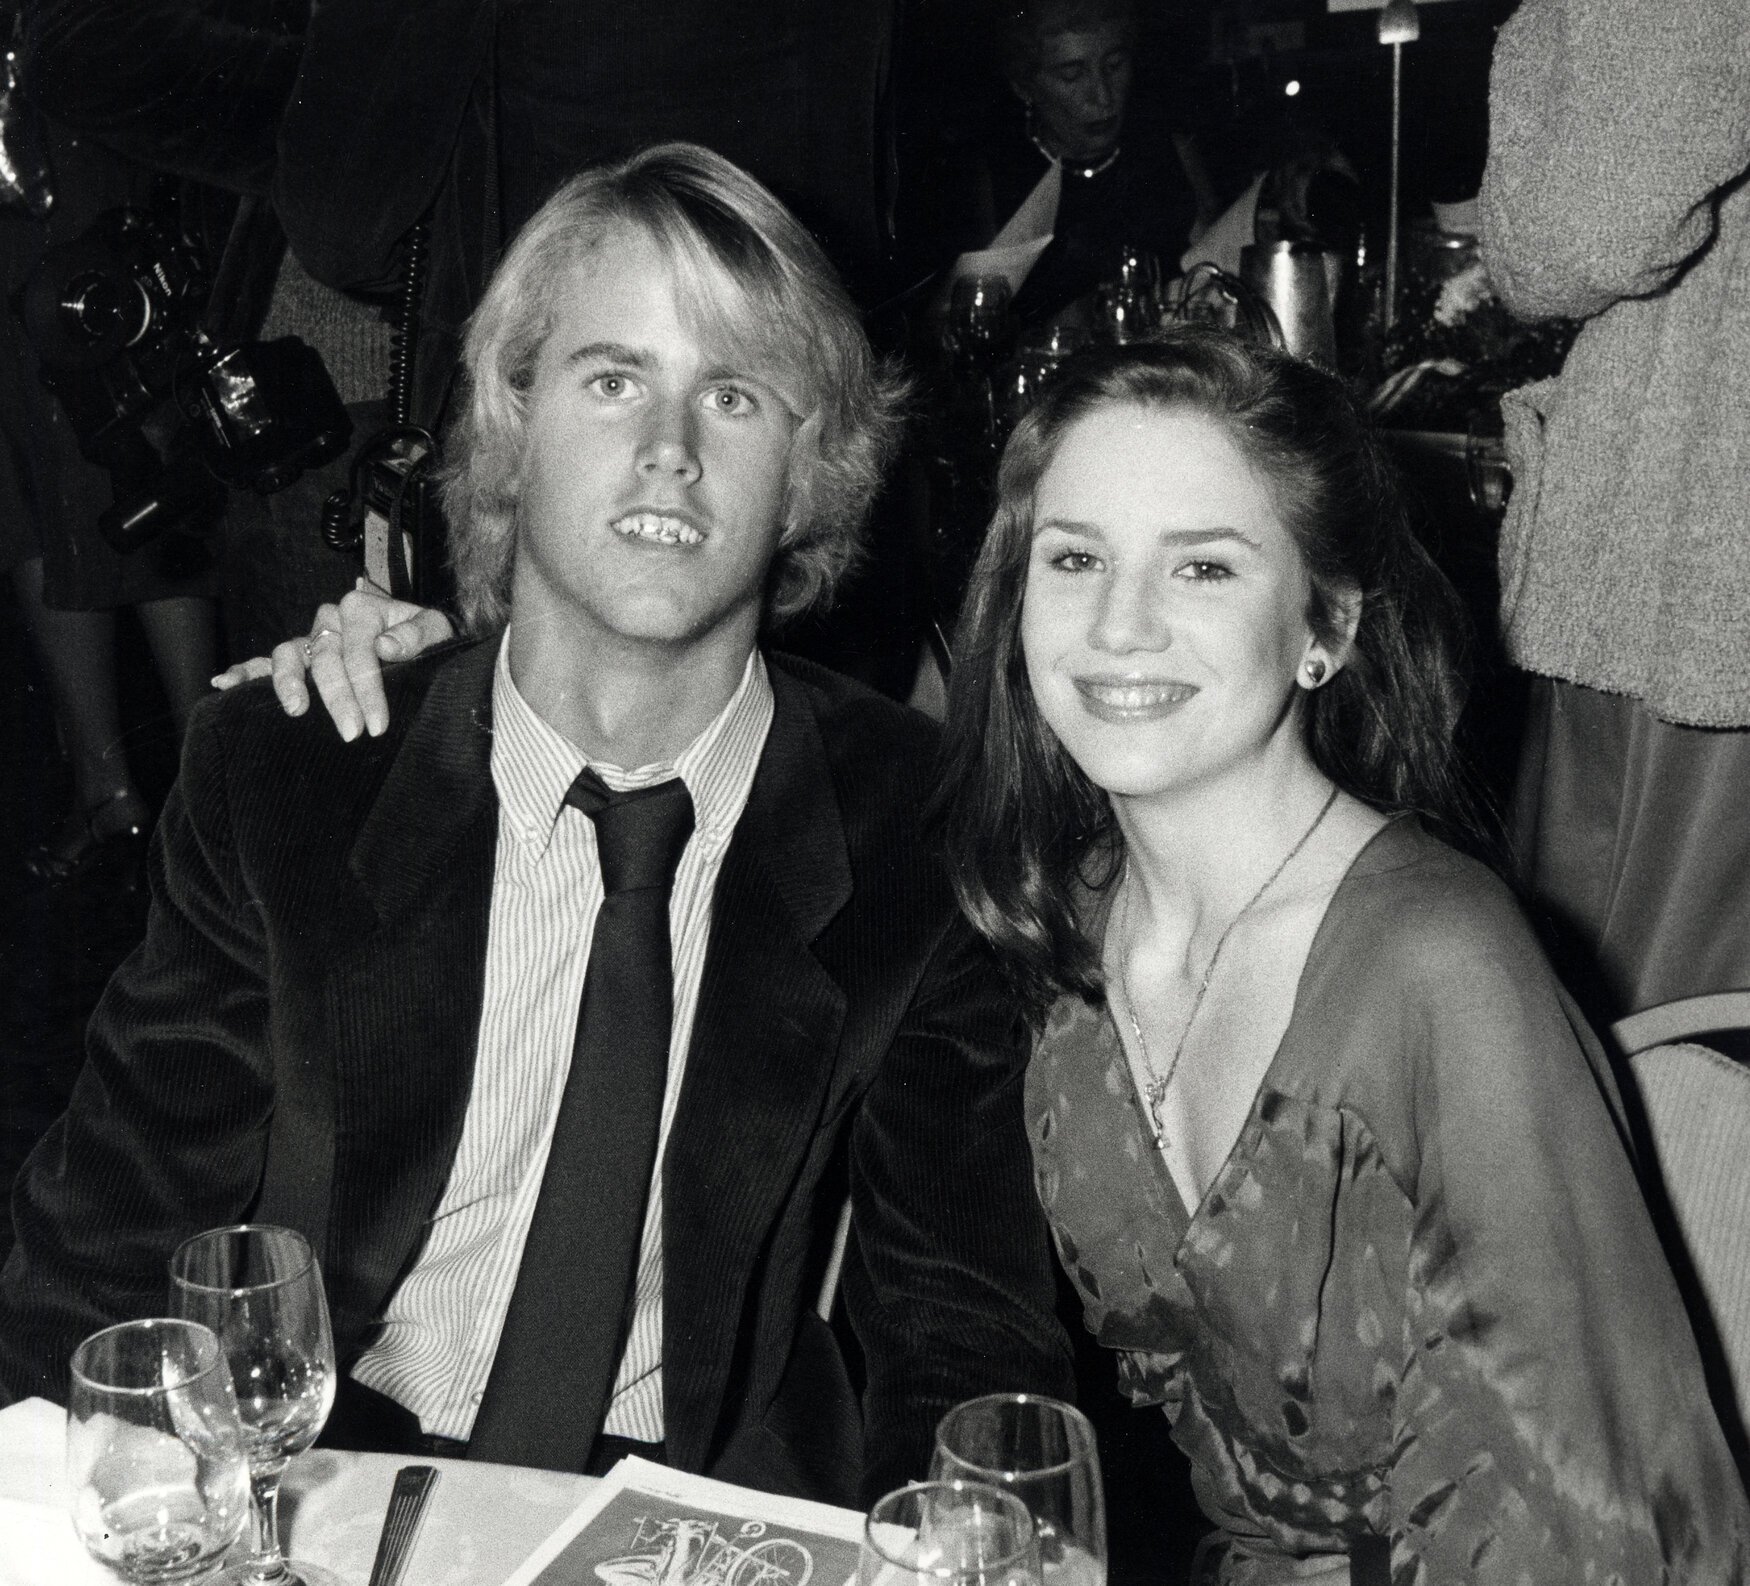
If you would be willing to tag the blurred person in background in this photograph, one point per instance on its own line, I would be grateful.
(1075, 149)
(168, 108)
(486, 110)
(1615, 193)
(200, 95)
(490, 107)
(69, 581)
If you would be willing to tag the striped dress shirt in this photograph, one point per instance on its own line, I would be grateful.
(441, 1326)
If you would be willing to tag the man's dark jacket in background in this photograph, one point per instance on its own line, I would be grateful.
(468, 113)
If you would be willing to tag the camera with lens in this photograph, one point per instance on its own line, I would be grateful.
(389, 514)
(116, 317)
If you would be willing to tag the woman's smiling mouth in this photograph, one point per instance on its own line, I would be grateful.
(1127, 699)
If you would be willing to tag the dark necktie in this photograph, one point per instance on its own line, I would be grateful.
(554, 1370)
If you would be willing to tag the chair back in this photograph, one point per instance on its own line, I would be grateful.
(1697, 1106)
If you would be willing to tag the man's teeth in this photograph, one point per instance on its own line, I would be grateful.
(654, 526)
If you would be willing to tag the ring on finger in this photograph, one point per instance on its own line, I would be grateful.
(310, 643)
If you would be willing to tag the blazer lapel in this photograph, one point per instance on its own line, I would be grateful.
(403, 996)
(765, 1038)
(438, 787)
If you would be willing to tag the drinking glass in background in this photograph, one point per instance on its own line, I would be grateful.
(981, 330)
(155, 1451)
(1125, 314)
(1034, 366)
(260, 1290)
(1043, 1452)
(948, 1533)
(1129, 302)
(1139, 267)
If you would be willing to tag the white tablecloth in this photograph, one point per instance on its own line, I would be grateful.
(483, 1520)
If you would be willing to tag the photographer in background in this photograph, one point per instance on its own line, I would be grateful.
(181, 90)
(69, 580)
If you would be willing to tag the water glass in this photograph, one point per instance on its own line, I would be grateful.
(155, 1451)
(260, 1290)
(948, 1533)
(1042, 1451)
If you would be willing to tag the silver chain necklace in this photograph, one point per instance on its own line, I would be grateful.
(1155, 1093)
(1086, 169)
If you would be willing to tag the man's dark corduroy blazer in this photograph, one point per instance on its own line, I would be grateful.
(317, 947)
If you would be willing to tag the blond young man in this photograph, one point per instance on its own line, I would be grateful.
(354, 1009)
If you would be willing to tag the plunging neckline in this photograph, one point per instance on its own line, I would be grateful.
(1139, 1099)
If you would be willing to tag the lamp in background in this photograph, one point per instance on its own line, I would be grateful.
(1398, 25)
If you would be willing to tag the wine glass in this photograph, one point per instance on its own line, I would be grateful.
(1126, 315)
(1139, 270)
(980, 326)
(1042, 1451)
(260, 1290)
(1034, 367)
(948, 1533)
(155, 1451)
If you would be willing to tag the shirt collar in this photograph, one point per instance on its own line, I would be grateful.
(533, 765)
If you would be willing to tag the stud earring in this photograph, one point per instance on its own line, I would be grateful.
(1315, 671)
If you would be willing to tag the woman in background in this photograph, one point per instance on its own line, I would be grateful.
(1328, 1155)
(1070, 153)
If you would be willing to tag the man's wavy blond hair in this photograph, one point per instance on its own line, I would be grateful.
(789, 319)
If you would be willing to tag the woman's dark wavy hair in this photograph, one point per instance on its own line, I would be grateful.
(1026, 832)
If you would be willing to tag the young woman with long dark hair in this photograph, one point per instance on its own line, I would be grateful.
(1330, 1157)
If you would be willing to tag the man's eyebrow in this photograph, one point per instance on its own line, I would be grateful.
(608, 352)
(1174, 537)
(733, 371)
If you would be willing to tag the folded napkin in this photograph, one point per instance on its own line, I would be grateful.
(1012, 261)
(1233, 230)
(38, 1545)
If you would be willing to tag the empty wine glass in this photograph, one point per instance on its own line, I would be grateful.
(1042, 1451)
(155, 1451)
(260, 1290)
(948, 1533)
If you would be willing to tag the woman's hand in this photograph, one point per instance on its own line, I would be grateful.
(344, 654)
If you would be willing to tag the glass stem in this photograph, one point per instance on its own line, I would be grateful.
(268, 1565)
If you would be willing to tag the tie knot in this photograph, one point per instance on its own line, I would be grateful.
(639, 834)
